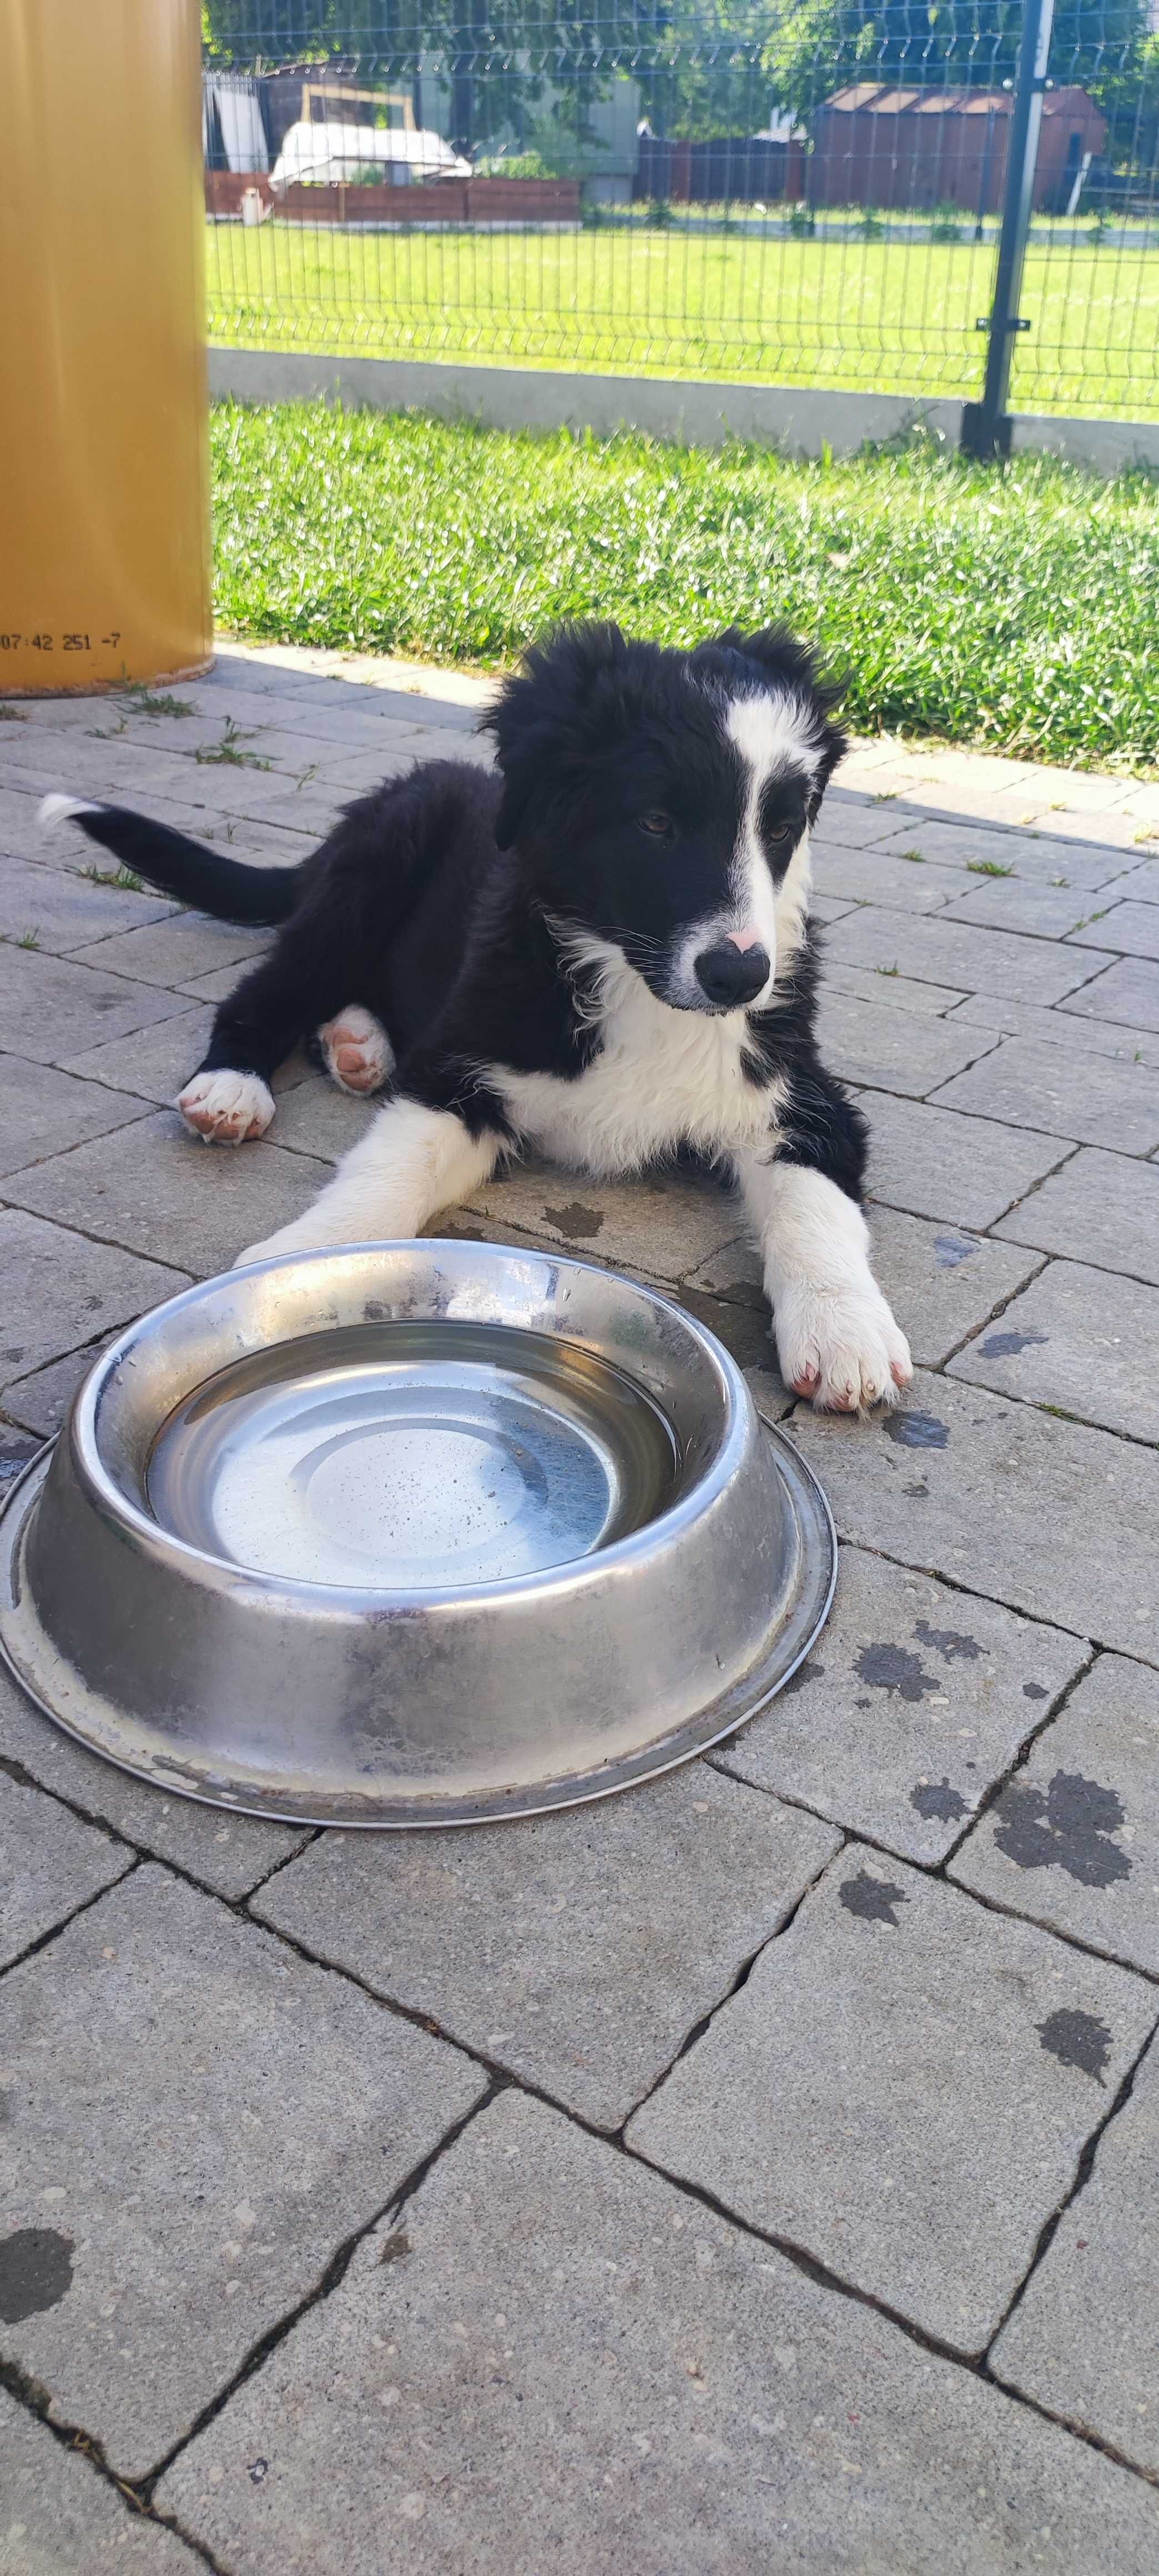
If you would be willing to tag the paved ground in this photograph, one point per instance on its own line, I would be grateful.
(758, 2172)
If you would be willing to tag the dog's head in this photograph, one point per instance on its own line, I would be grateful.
(658, 799)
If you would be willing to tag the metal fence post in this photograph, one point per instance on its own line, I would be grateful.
(986, 425)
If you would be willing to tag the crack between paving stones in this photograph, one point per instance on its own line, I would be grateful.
(1054, 1710)
(330, 2279)
(939, 1367)
(743, 1973)
(1049, 2229)
(1069, 1147)
(818, 2272)
(36, 2400)
(974, 1592)
(44, 1940)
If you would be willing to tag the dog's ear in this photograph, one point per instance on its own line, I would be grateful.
(548, 714)
(792, 665)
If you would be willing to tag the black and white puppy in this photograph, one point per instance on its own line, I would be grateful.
(602, 952)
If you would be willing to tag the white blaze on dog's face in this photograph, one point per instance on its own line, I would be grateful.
(768, 874)
(661, 801)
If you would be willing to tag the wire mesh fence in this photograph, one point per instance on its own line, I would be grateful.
(772, 191)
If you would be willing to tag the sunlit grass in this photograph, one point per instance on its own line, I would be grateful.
(1012, 607)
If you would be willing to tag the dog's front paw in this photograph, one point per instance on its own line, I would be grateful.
(357, 1050)
(226, 1108)
(843, 1351)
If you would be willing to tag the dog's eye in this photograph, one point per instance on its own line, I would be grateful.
(783, 832)
(658, 826)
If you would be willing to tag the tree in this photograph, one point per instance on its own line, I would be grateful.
(818, 46)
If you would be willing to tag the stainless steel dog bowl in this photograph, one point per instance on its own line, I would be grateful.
(411, 1534)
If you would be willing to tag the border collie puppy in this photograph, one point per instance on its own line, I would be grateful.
(602, 952)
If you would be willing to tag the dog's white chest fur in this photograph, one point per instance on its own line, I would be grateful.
(659, 1078)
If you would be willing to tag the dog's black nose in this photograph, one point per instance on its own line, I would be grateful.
(731, 976)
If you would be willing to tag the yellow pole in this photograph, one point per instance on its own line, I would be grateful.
(104, 495)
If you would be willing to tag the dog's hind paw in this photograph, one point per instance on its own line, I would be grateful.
(226, 1108)
(357, 1050)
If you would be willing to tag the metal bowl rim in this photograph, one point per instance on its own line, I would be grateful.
(738, 1412)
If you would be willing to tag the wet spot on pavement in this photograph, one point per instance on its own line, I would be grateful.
(1006, 1346)
(950, 1250)
(1066, 1826)
(1034, 1690)
(916, 1430)
(577, 1222)
(875, 1900)
(35, 2272)
(936, 1798)
(950, 1642)
(806, 1672)
(893, 1668)
(1077, 2039)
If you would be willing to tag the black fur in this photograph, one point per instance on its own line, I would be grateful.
(437, 902)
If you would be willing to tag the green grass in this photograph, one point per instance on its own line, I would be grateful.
(892, 317)
(1011, 607)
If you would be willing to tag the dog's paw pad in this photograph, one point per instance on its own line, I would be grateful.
(844, 1353)
(358, 1052)
(226, 1108)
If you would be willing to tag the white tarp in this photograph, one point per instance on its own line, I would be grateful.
(239, 115)
(326, 153)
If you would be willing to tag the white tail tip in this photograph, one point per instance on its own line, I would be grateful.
(61, 809)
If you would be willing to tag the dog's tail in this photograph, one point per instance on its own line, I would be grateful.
(176, 865)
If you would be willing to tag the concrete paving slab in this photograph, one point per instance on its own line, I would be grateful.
(51, 1008)
(1084, 1340)
(177, 952)
(938, 1162)
(56, 910)
(913, 1703)
(941, 1282)
(42, 1110)
(938, 951)
(228, 1854)
(1084, 2338)
(1073, 1840)
(155, 1185)
(899, 992)
(824, 2103)
(855, 822)
(1089, 1097)
(60, 2517)
(1043, 909)
(1052, 1518)
(50, 1863)
(667, 1224)
(1130, 928)
(1034, 856)
(1062, 1028)
(565, 2363)
(57, 1289)
(1128, 991)
(196, 2156)
(158, 1062)
(883, 874)
(577, 1950)
(1104, 1205)
(41, 1401)
(895, 1050)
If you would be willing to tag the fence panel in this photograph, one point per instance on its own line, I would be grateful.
(805, 193)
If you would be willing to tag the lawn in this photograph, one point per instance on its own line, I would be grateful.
(1012, 607)
(892, 317)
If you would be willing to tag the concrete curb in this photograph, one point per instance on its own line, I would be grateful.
(801, 419)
